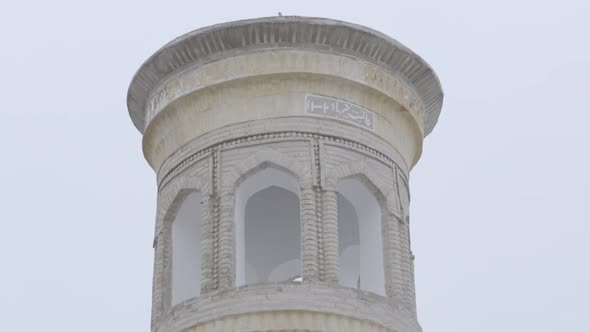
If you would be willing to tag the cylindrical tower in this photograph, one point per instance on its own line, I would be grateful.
(282, 148)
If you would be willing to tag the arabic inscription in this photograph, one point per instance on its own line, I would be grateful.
(339, 109)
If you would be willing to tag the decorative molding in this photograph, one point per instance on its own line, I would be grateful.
(216, 213)
(225, 40)
(287, 321)
(361, 169)
(178, 190)
(185, 163)
(257, 160)
(326, 298)
(260, 138)
(318, 200)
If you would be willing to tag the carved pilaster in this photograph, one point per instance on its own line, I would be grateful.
(157, 284)
(405, 267)
(225, 261)
(162, 266)
(330, 234)
(391, 250)
(207, 244)
(309, 239)
(214, 168)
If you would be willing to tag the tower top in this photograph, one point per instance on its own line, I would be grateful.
(282, 148)
(213, 43)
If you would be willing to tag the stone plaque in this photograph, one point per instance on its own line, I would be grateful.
(339, 109)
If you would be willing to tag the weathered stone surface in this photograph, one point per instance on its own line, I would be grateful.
(274, 33)
(320, 99)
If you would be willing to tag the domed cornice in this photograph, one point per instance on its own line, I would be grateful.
(226, 40)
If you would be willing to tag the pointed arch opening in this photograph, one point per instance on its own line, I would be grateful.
(186, 249)
(360, 242)
(268, 230)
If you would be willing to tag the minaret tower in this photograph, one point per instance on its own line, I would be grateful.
(282, 148)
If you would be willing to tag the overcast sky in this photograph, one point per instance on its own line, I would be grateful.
(500, 219)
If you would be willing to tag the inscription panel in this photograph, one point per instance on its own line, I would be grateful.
(339, 109)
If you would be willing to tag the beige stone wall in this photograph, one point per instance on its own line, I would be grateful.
(319, 161)
(324, 100)
(288, 321)
(269, 85)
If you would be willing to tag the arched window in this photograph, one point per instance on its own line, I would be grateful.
(359, 237)
(268, 231)
(348, 244)
(186, 250)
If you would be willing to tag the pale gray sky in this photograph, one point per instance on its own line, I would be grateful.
(499, 200)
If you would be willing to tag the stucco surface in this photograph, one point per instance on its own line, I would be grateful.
(320, 100)
(318, 35)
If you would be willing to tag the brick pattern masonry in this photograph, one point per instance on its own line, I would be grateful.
(216, 170)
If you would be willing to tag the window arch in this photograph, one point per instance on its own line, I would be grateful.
(360, 242)
(186, 249)
(268, 230)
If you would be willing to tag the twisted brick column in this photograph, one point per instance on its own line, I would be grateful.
(406, 267)
(207, 244)
(225, 257)
(309, 239)
(156, 284)
(391, 248)
(161, 282)
(330, 234)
